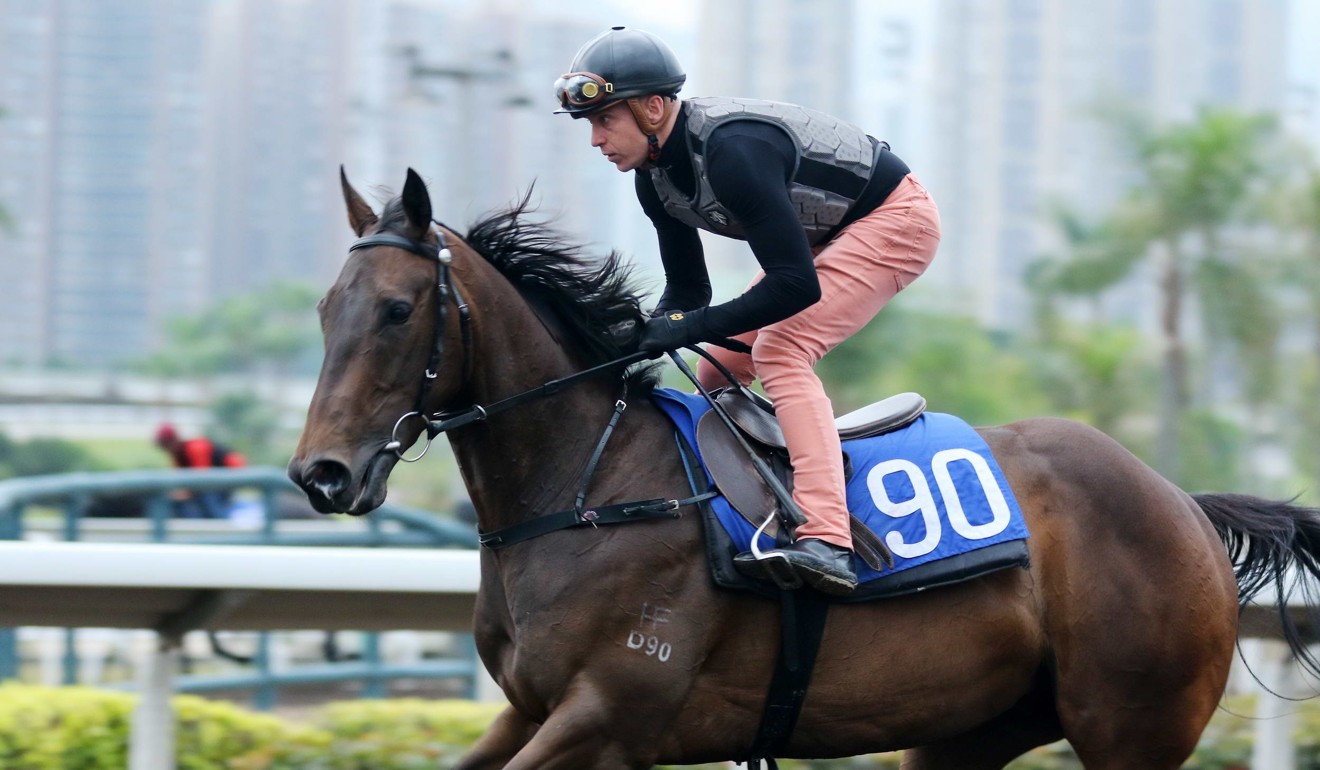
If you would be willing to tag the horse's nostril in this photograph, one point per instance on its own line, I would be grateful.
(326, 477)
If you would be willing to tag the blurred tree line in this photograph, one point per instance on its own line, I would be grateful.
(39, 456)
(271, 335)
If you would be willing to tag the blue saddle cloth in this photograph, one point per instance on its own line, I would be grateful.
(932, 491)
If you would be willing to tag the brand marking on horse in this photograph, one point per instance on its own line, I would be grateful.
(655, 615)
(652, 618)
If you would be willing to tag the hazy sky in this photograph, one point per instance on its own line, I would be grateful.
(1304, 42)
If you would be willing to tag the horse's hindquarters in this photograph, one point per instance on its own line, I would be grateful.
(1137, 597)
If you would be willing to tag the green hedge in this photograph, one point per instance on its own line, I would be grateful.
(76, 728)
(63, 729)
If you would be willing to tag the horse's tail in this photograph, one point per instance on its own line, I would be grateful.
(1272, 543)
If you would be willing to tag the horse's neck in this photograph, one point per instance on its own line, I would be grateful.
(528, 460)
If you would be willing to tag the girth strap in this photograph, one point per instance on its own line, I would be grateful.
(802, 626)
(617, 513)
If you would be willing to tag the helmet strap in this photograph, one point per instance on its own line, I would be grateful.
(651, 129)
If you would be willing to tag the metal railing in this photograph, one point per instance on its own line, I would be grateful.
(149, 496)
(156, 506)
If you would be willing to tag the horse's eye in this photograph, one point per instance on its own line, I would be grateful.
(397, 312)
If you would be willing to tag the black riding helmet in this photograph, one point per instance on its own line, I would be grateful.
(619, 63)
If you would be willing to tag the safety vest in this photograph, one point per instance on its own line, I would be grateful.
(835, 162)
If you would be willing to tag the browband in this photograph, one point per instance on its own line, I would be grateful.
(400, 242)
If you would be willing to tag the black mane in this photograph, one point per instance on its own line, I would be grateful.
(585, 296)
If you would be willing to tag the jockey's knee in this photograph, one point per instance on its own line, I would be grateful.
(777, 352)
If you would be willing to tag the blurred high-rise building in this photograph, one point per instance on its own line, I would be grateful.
(796, 51)
(277, 86)
(996, 105)
(27, 96)
(1019, 84)
(158, 156)
(99, 175)
(1304, 71)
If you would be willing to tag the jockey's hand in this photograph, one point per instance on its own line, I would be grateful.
(672, 330)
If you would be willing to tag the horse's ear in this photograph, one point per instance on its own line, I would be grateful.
(360, 215)
(416, 205)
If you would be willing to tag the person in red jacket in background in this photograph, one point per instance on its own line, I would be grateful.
(200, 452)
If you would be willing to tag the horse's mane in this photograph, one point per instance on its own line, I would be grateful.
(585, 296)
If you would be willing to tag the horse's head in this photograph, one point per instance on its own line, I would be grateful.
(407, 338)
(390, 350)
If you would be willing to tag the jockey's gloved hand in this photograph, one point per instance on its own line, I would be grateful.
(672, 330)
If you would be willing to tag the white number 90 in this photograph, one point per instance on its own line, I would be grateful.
(922, 500)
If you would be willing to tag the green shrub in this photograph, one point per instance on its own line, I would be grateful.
(404, 734)
(72, 728)
(212, 735)
(77, 728)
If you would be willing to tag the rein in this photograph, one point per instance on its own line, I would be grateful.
(440, 422)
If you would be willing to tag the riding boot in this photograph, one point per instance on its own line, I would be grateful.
(826, 567)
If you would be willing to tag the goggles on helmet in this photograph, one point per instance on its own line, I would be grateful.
(582, 89)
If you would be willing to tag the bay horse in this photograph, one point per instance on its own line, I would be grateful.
(1118, 637)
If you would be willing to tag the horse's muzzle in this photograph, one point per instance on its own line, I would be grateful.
(325, 482)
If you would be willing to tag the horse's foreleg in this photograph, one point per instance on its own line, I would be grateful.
(507, 735)
(578, 736)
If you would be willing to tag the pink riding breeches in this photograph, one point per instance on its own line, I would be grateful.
(860, 270)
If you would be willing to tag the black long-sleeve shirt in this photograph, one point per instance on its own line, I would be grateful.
(749, 165)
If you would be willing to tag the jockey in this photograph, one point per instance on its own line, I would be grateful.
(836, 221)
(200, 452)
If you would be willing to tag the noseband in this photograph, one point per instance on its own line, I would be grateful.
(444, 288)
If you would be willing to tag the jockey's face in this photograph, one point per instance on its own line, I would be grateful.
(615, 131)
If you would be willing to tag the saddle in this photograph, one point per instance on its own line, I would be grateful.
(734, 473)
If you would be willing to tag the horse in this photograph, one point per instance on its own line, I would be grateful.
(1118, 637)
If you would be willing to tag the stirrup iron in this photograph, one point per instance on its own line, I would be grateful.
(776, 564)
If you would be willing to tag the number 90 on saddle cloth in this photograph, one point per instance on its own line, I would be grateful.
(924, 482)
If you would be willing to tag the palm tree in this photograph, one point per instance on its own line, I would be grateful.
(1092, 367)
(1298, 212)
(1194, 183)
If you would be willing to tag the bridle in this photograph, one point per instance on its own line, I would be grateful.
(580, 514)
(440, 254)
(440, 422)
